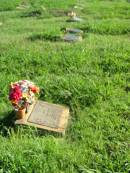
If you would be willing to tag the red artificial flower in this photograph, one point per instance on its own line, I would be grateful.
(34, 89)
(15, 94)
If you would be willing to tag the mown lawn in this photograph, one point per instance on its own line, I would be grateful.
(92, 77)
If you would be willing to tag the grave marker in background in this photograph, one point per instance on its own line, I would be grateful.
(72, 37)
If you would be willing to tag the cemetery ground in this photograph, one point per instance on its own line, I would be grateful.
(91, 77)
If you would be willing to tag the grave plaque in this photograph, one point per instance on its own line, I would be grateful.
(46, 116)
(72, 37)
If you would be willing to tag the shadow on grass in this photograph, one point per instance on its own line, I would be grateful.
(106, 31)
(127, 88)
(45, 37)
(6, 123)
(34, 13)
(40, 12)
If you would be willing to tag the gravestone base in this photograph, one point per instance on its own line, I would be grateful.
(46, 116)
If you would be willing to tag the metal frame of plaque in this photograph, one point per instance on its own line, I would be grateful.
(46, 116)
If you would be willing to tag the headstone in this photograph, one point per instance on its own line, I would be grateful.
(73, 30)
(46, 116)
(72, 37)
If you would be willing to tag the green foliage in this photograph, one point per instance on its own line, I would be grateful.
(113, 27)
(8, 5)
(91, 77)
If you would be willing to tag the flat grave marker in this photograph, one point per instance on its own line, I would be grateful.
(46, 116)
(72, 37)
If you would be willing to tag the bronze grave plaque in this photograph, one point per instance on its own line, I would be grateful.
(47, 116)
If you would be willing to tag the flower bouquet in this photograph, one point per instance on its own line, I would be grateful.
(22, 94)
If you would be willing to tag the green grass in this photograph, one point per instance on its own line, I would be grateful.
(92, 77)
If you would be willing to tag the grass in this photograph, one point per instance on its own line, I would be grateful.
(91, 77)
